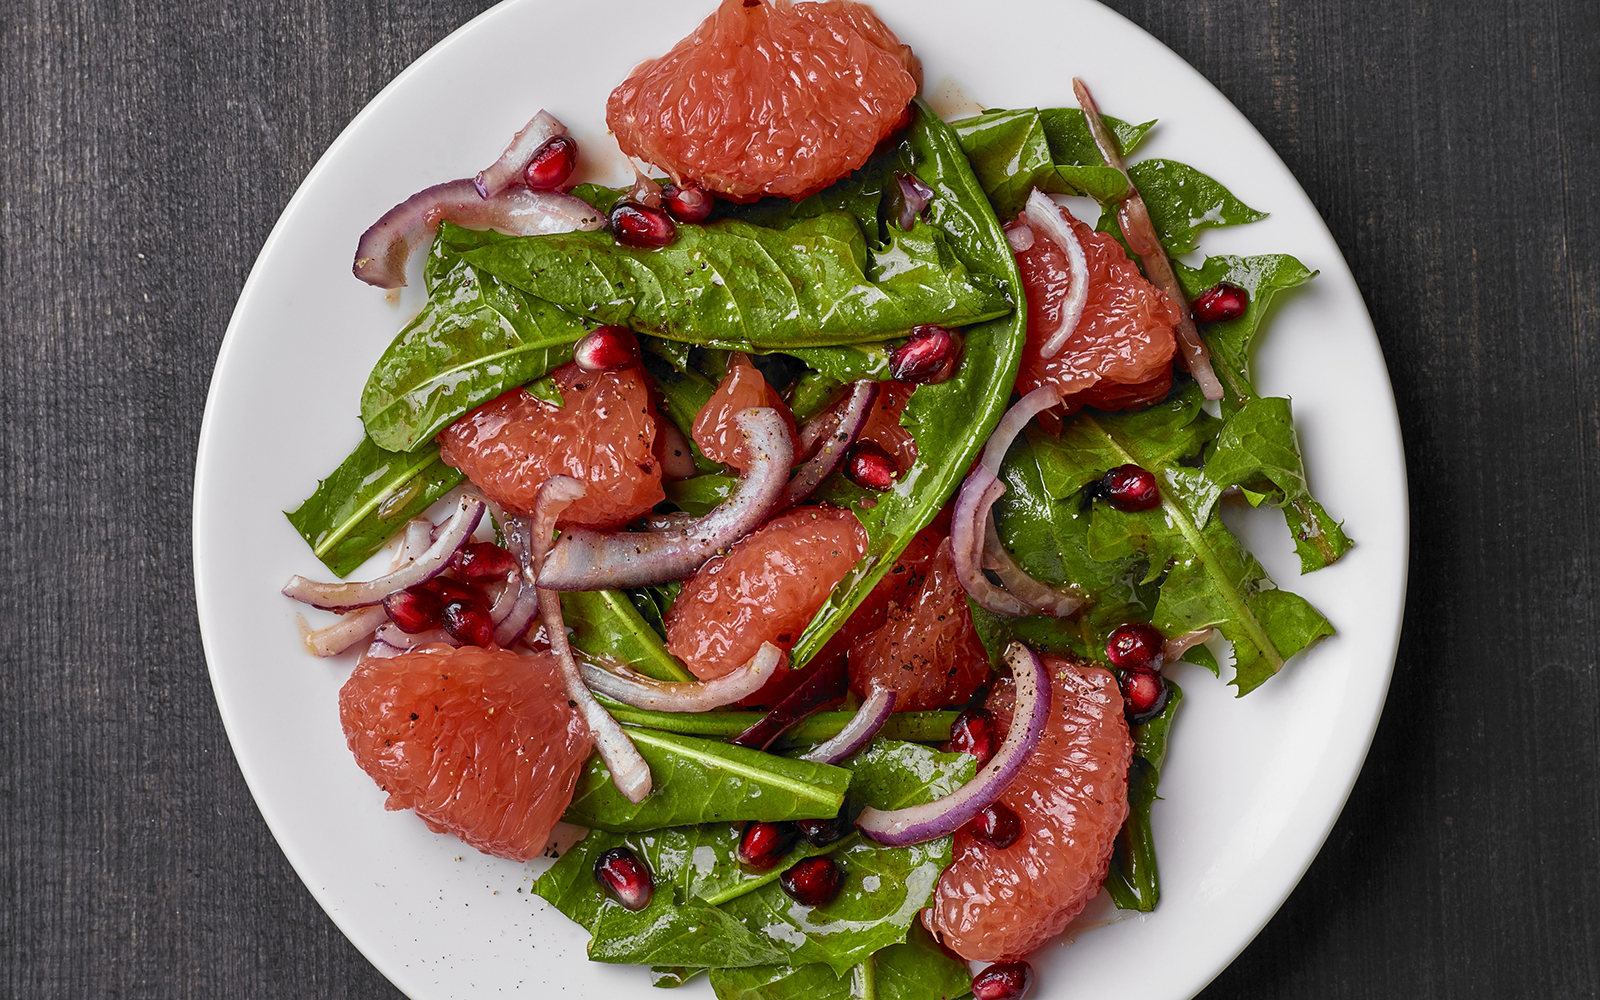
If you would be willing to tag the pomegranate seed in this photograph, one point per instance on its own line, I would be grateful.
(688, 203)
(1135, 646)
(765, 844)
(607, 349)
(481, 562)
(997, 826)
(1003, 981)
(641, 226)
(1130, 488)
(973, 732)
(871, 467)
(814, 881)
(468, 622)
(822, 832)
(449, 589)
(620, 872)
(413, 610)
(552, 163)
(1144, 696)
(930, 356)
(1220, 303)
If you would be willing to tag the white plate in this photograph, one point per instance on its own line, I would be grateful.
(1253, 786)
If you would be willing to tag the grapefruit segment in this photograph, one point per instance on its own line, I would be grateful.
(768, 97)
(482, 743)
(603, 434)
(1120, 354)
(766, 589)
(742, 387)
(998, 904)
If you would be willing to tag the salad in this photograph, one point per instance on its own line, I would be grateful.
(814, 521)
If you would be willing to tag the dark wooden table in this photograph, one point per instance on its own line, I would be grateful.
(145, 150)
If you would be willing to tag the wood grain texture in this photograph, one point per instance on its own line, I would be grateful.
(147, 148)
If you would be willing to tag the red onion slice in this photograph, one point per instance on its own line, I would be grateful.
(1142, 240)
(346, 632)
(858, 732)
(919, 824)
(516, 211)
(846, 428)
(914, 197)
(414, 542)
(1058, 602)
(392, 635)
(629, 772)
(380, 650)
(1014, 420)
(826, 682)
(507, 170)
(977, 495)
(453, 534)
(633, 688)
(1044, 218)
(592, 560)
(513, 624)
(1175, 647)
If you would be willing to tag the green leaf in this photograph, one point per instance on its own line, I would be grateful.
(694, 868)
(916, 727)
(1013, 152)
(475, 338)
(606, 624)
(700, 495)
(703, 781)
(979, 391)
(653, 603)
(1206, 576)
(734, 285)
(367, 499)
(1263, 277)
(1134, 881)
(1182, 201)
(669, 977)
(917, 969)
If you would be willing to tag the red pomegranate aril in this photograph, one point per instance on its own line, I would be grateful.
(1135, 646)
(468, 622)
(1222, 302)
(620, 872)
(765, 844)
(1144, 695)
(997, 826)
(484, 562)
(929, 357)
(814, 881)
(1003, 981)
(973, 732)
(414, 609)
(552, 163)
(1130, 488)
(449, 589)
(686, 203)
(606, 349)
(822, 832)
(870, 467)
(641, 226)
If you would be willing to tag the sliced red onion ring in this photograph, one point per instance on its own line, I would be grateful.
(346, 632)
(507, 170)
(629, 772)
(1044, 218)
(858, 732)
(941, 817)
(453, 534)
(380, 650)
(846, 428)
(826, 682)
(977, 495)
(1058, 602)
(1014, 420)
(914, 197)
(1141, 235)
(1174, 648)
(394, 636)
(511, 626)
(415, 541)
(592, 560)
(633, 688)
(516, 211)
